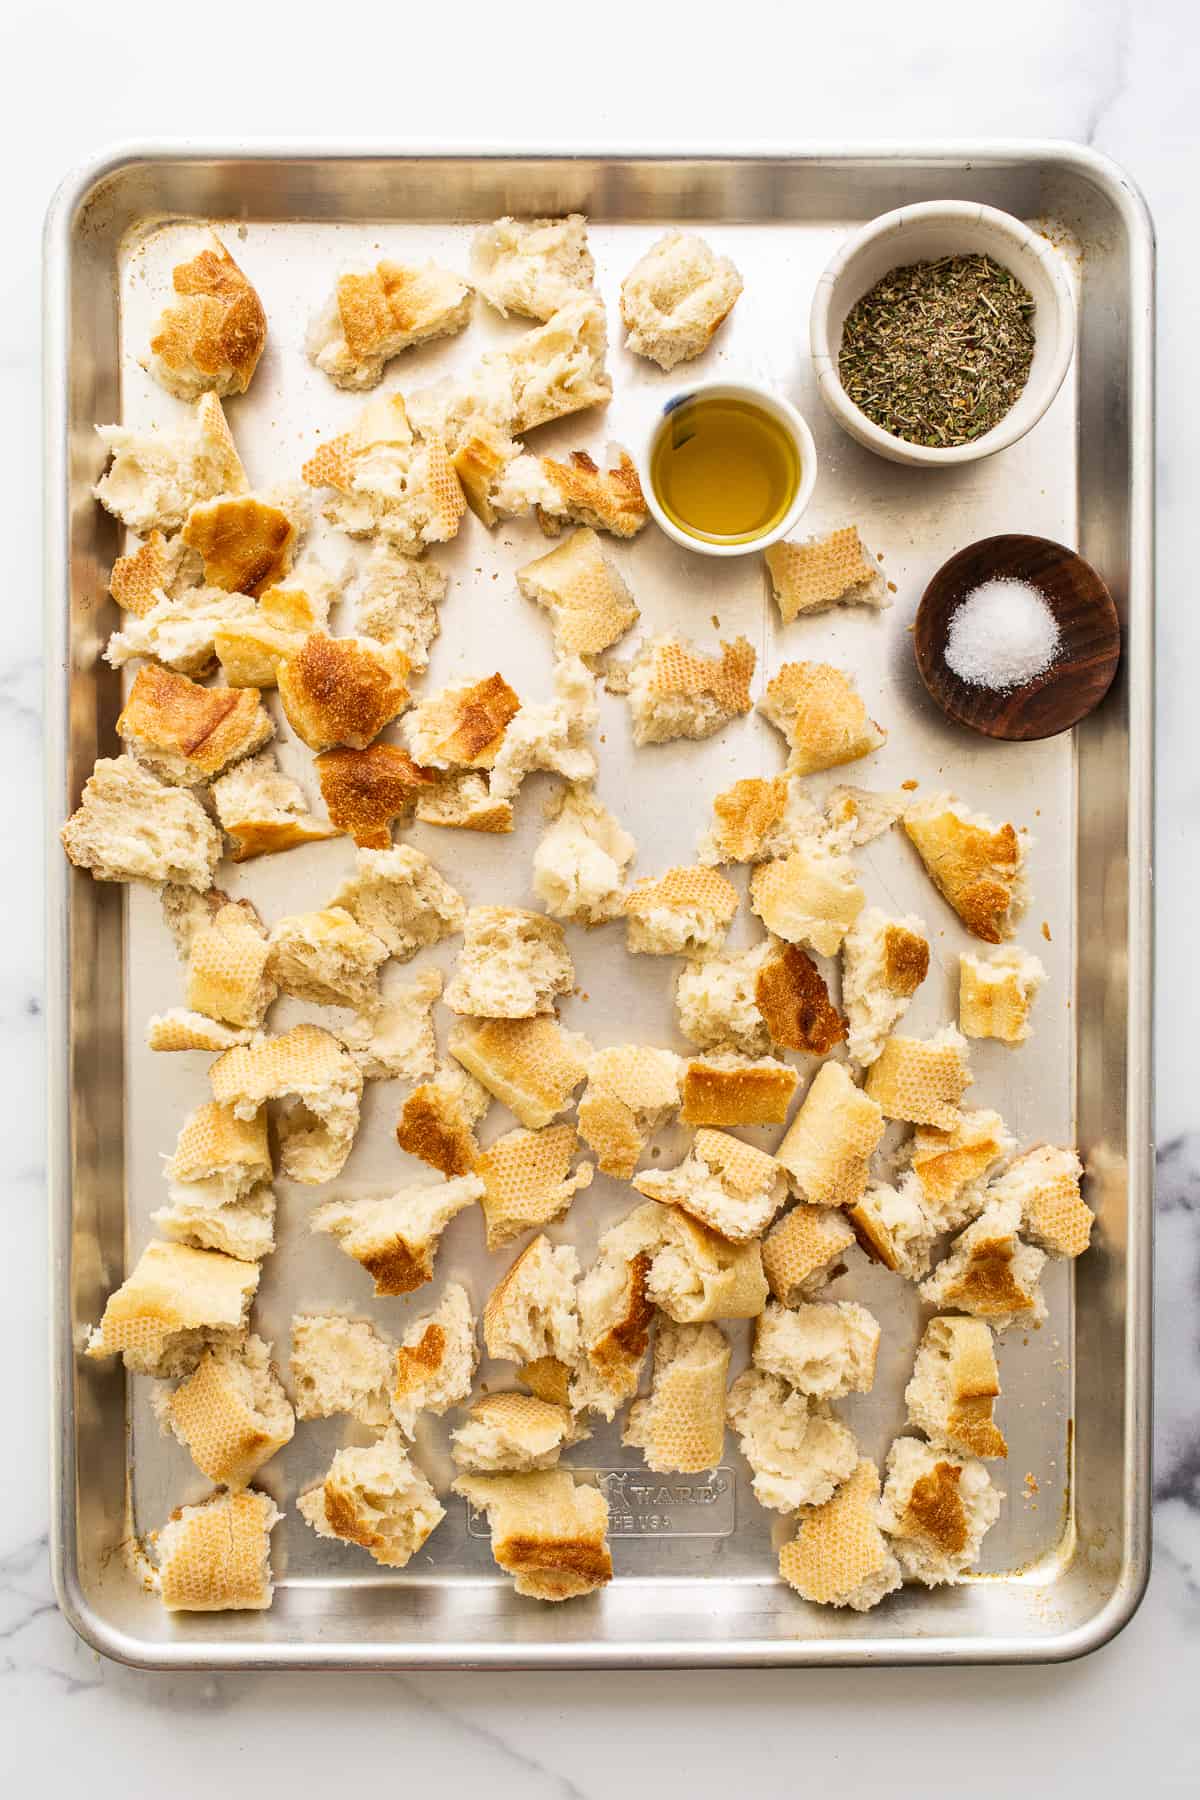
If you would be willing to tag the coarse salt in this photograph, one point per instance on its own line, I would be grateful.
(1001, 635)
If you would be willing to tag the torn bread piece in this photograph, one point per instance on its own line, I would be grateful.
(395, 1237)
(1054, 1214)
(798, 1453)
(894, 1229)
(532, 1311)
(884, 962)
(185, 912)
(803, 1252)
(685, 912)
(954, 1387)
(632, 1091)
(680, 1424)
(996, 993)
(527, 1180)
(264, 811)
(179, 1029)
(991, 1272)
(724, 1088)
(181, 634)
(675, 297)
(922, 1080)
(397, 602)
(129, 826)
(821, 714)
(550, 735)
(231, 1414)
(397, 1038)
(675, 691)
(401, 899)
(532, 1065)
(436, 1360)
(581, 493)
(839, 1556)
(342, 691)
(822, 1348)
(716, 1001)
(464, 803)
(216, 1557)
(857, 815)
(229, 974)
(615, 1316)
(589, 604)
(208, 1216)
(757, 819)
(533, 266)
(828, 1147)
(340, 1365)
(209, 339)
(791, 996)
(952, 1166)
(316, 1134)
(937, 1509)
(251, 648)
(978, 867)
(327, 958)
(375, 313)
(438, 1119)
(811, 896)
(174, 1305)
(728, 1185)
(386, 478)
(462, 726)
(816, 573)
(156, 477)
(161, 568)
(187, 734)
(580, 862)
(695, 1274)
(548, 1532)
(247, 542)
(511, 965)
(377, 1498)
(366, 790)
(216, 1144)
(511, 1433)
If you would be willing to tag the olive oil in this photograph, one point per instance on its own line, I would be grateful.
(724, 469)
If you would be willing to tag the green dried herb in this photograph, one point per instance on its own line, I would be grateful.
(937, 352)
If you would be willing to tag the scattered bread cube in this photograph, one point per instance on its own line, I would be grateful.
(811, 896)
(716, 1001)
(531, 1312)
(548, 1532)
(821, 714)
(462, 726)
(527, 1180)
(791, 996)
(247, 542)
(343, 690)
(819, 572)
(991, 1272)
(436, 1360)
(580, 862)
(798, 1453)
(695, 1274)
(822, 1348)
(978, 867)
(377, 1498)
(550, 735)
(375, 313)
(401, 899)
(828, 1146)
(803, 1252)
(263, 810)
(615, 1316)
(316, 1134)
(161, 568)
(327, 958)
(182, 634)
(757, 819)
(533, 266)
(839, 1556)
(857, 815)
(386, 478)
(216, 1557)
(231, 1414)
(251, 647)
(174, 1305)
(893, 1227)
(675, 691)
(507, 1434)
(578, 491)
(1054, 1214)
(511, 965)
(395, 1237)
(156, 477)
(210, 338)
(438, 1119)
(589, 604)
(954, 1386)
(340, 1365)
(219, 1195)
(130, 826)
(884, 962)
(729, 1186)
(680, 1424)
(996, 993)
(723, 1088)
(922, 1080)
(531, 1065)
(685, 912)
(187, 734)
(178, 1029)
(396, 1038)
(365, 790)
(675, 297)
(632, 1091)
(397, 602)
(936, 1509)
(952, 1166)
(464, 802)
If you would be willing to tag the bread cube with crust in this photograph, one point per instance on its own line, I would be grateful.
(210, 338)
(798, 1453)
(991, 1272)
(839, 1555)
(884, 962)
(977, 866)
(631, 1093)
(377, 1498)
(675, 297)
(921, 1080)
(685, 912)
(129, 826)
(680, 1424)
(828, 1146)
(375, 313)
(156, 477)
(532, 266)
(936, 1508)
(387, 478)
(676, 691)
(174, 1305)
(954, 1387)
(436, 1360)
(531, 1065)
(231, 1414)
(996, 993)
(810, 575)
(548, 1532)
(821, 714)
(511, 1433)
(216, 1557)
(589, 605)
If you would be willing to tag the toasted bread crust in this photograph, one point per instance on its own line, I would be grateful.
(337, 691)
(216, 336)
(198, 730)
(792, 997)
(246, 544)
(365, 790)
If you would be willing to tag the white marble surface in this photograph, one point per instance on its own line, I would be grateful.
(1122, 77)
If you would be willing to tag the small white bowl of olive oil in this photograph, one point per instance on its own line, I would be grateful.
(728, 468)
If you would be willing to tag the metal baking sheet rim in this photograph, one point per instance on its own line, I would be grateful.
(100, 1633)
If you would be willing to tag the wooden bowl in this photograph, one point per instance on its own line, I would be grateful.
(1089, 647)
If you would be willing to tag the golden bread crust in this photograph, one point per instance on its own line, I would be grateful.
(746, 1094)
(365, 790)
(793, 999)
(214, 337)
(342, 691)
(190, 732)
(976, 866)
(821, 714)
(246, 544)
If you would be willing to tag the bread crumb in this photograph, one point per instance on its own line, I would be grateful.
(1046, 930)
(910, 786)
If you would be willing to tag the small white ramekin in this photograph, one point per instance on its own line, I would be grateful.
(779, 409)
(921, 234)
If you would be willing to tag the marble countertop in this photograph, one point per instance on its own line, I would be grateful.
(1117, 76)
